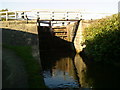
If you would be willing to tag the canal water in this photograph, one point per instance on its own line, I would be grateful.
(69, 70)
(59, 70)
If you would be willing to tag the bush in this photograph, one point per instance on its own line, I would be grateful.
(103, 40)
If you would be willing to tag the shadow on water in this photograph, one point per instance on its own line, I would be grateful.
(57, 61)
(62, 67)
(99, 75)
(52, 43)
(65, 69)
(68, 70)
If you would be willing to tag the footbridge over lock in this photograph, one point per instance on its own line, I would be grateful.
(71, 32)
(64, 24)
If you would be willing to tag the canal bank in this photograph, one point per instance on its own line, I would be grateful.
(21, 70)
(100, 75)
(21, 47)
(101, 54)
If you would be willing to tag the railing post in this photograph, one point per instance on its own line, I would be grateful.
(6, 15)
(24, 15)
(80, 16)
(64, 16)
(52, 15)
(50, 26)
(38, 22)
(77, 17)
(15, 15)
(67, 15)
(38, 14)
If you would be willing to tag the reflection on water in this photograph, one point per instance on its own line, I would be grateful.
(81, 70)
(60, 73)
(63, 70)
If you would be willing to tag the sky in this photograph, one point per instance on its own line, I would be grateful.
(103, 6)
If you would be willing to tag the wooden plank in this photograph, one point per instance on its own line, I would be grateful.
(60, 31)
(61, 35)
(58, 20)
(6, 16)
(44, 22)
(59, 28)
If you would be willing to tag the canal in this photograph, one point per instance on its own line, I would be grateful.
(69, 70)
(63, 68)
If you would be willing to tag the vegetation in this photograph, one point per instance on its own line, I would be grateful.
(103, 40)
(35, 80)
(3, 10)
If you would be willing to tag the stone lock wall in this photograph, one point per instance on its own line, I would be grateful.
(30, 26)
(75, 35)
(21, 33)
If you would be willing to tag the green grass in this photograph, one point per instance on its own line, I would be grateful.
(35, 80)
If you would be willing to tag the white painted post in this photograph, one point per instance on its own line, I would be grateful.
(38, 22)
(52, 15)
(24, 16)
(80, 16)
(6, 15)
(67, 15)
(15, 15)
(64, 16)
(50, 26)
(38, 15)
(77, 17)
